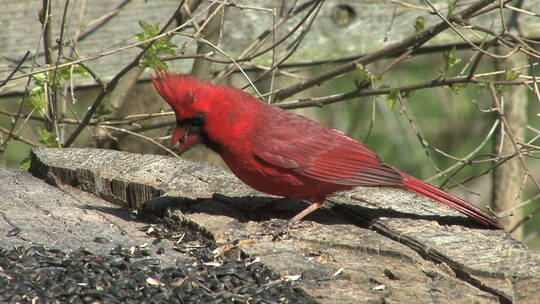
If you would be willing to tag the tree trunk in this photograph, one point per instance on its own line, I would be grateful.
(508, 178)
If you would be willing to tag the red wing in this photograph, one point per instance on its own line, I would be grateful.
(325, 154)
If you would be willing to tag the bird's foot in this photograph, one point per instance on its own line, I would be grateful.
(279, 228)
(282, 231)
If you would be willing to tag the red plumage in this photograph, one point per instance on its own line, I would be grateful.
(282, 153)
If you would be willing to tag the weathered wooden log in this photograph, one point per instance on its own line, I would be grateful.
(368, 245)
(34, 213)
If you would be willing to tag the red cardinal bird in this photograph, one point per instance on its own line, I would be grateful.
(282, 153)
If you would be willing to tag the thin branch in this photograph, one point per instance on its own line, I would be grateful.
(294, 45)
(423, 142)
(525, 219)
(510, 211)
(17, 137)
(466, 160)
(474, 46)
(144, 137)
(408, 5)
(500, 112)
(320, 101)
(114, 51)
(500, 160)
(521, 11)
(111, 84)
(253, 48)
(535, 84)
(414, 40)
(243, 7)
(227, 55)
(12, 131)
(15, 69)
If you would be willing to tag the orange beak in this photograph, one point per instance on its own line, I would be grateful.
(183, 139)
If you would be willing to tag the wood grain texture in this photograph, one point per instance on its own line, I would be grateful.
(67, 218)
(368, 246)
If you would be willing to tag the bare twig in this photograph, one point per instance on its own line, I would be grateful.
(243, 7)
(474, 46)
(465, 160)
(15, 69)
(509, 131)
(320, 101)
(17, 137)
(414, 40)
(408, 5)
(525, 219)
(111, 84)
(144, 137)
(521, 11)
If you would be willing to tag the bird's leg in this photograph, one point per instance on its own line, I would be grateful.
(314, 206)
(285, 229)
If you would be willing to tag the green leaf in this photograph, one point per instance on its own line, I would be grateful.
(47, 139)
(37, 101)
(502, 88)
(161, 46)
(149, 29)
(363, 76)
(36, 94)
(140, 36)
(510, 74)
(456, 88)
(392, 98)
(25, 164)
(451, 9)
(483, 84)
(408, 94)
(450, 59)
(102, 110)
(39, 78)
(79, 70)
(419, 24)
(66, 73)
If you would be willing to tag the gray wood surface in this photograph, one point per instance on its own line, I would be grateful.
(371, 245)
(67, 218)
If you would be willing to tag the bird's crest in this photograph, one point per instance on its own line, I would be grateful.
(178, 90)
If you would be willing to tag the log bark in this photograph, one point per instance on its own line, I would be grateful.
(368, 246)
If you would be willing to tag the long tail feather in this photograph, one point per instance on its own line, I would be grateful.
(450, 200)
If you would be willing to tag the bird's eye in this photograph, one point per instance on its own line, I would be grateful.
(198, 120)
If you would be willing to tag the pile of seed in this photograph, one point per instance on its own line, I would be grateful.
(40, 275)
